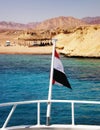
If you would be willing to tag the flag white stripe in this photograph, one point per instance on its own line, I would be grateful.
(58, 64)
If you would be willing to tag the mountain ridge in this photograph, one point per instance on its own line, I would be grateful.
(53, 23)
(92, 20)
(60, 22)
(19, 26)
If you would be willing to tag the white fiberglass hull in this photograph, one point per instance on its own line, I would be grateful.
(54, 127)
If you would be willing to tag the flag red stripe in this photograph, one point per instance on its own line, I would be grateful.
(56, 54)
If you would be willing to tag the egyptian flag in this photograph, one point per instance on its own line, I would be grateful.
(59, 76)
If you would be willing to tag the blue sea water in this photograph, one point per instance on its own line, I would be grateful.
(26, 77)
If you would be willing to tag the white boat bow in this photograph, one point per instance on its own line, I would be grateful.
(38, 126)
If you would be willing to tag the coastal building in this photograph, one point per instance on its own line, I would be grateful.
(7, 43)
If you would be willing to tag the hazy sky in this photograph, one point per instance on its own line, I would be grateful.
(25, 11)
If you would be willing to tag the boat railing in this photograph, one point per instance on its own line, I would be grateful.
(38, 102)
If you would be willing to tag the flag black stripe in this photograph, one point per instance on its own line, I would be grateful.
(61, 78)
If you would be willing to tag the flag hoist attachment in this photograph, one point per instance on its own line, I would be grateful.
(57, 75)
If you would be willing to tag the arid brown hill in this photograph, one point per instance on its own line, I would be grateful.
(92, 20)
(17, 26)
(51, 24)
(84, 42)
(59, 22)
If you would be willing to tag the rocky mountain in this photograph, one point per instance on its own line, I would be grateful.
(92, 20)
(52, 24)
(60, 22)
(17, 26)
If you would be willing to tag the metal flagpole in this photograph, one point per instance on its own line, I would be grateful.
(50, 84)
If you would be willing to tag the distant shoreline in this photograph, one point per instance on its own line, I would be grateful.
(83, 57)
(25, 50)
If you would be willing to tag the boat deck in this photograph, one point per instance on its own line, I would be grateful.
(38, 126)
(55, 127)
